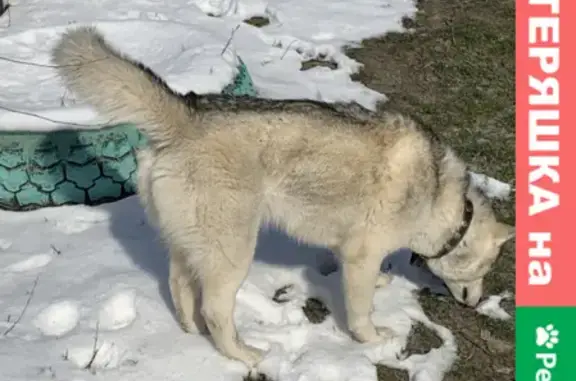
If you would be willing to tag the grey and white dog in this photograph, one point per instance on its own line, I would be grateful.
(361, 183)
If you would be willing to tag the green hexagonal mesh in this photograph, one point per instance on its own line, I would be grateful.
(39, 169)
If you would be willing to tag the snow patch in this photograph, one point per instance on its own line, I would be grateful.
(33, 262)
(118, 311)
(75, 224)
(491, 187)
(104, 355)
(58, 318)
(491, 306)
(190, 50)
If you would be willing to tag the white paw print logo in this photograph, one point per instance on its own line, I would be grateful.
(547, 336)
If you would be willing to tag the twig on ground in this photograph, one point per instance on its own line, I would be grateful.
(13, 60)
(55, 121)
(30, 295)
(60, 122)
(474, 343)
(230, 39)
(63, 98)
(55, 250)
(95, 347)
(287, 48)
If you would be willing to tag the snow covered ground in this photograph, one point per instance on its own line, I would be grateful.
(185, 45)
(83, 296)
(83, 291)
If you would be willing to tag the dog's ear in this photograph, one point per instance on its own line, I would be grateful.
(503, 233)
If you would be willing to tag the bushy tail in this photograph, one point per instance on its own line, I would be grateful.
(119, 87)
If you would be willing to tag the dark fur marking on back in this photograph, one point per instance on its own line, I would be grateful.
(237, 103)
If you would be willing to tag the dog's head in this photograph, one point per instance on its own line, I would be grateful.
(463, 269)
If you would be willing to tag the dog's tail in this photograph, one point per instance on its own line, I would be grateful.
(120, 88)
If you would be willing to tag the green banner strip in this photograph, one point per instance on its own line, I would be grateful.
(545, 343)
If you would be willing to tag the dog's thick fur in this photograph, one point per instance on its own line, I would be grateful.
(363, 184)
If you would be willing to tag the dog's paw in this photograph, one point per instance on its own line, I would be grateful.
(249, 355)
(371, 334)
(383, 280)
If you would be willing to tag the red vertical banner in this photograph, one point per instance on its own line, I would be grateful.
(545, 158)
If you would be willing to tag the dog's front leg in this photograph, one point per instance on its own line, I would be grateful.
(361, 274)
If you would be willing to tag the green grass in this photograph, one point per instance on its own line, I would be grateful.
(258, 21)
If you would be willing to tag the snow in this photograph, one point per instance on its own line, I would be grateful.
(32, 262)
(105, 283)
(491, 306)
(191, 50)
(118, 311)
(491, 187)
(58, 318)
(101, 302)
(83, 290)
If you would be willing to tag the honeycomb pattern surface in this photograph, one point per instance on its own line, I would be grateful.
(63, 167)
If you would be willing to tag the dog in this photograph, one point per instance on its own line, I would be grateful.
(362, 183)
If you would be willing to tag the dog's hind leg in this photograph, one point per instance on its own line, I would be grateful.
(230, 228)
(185, 294)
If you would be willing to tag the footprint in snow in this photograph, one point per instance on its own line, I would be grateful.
(118, 311)
(80, 223)
(31, 263)
(58, 318)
